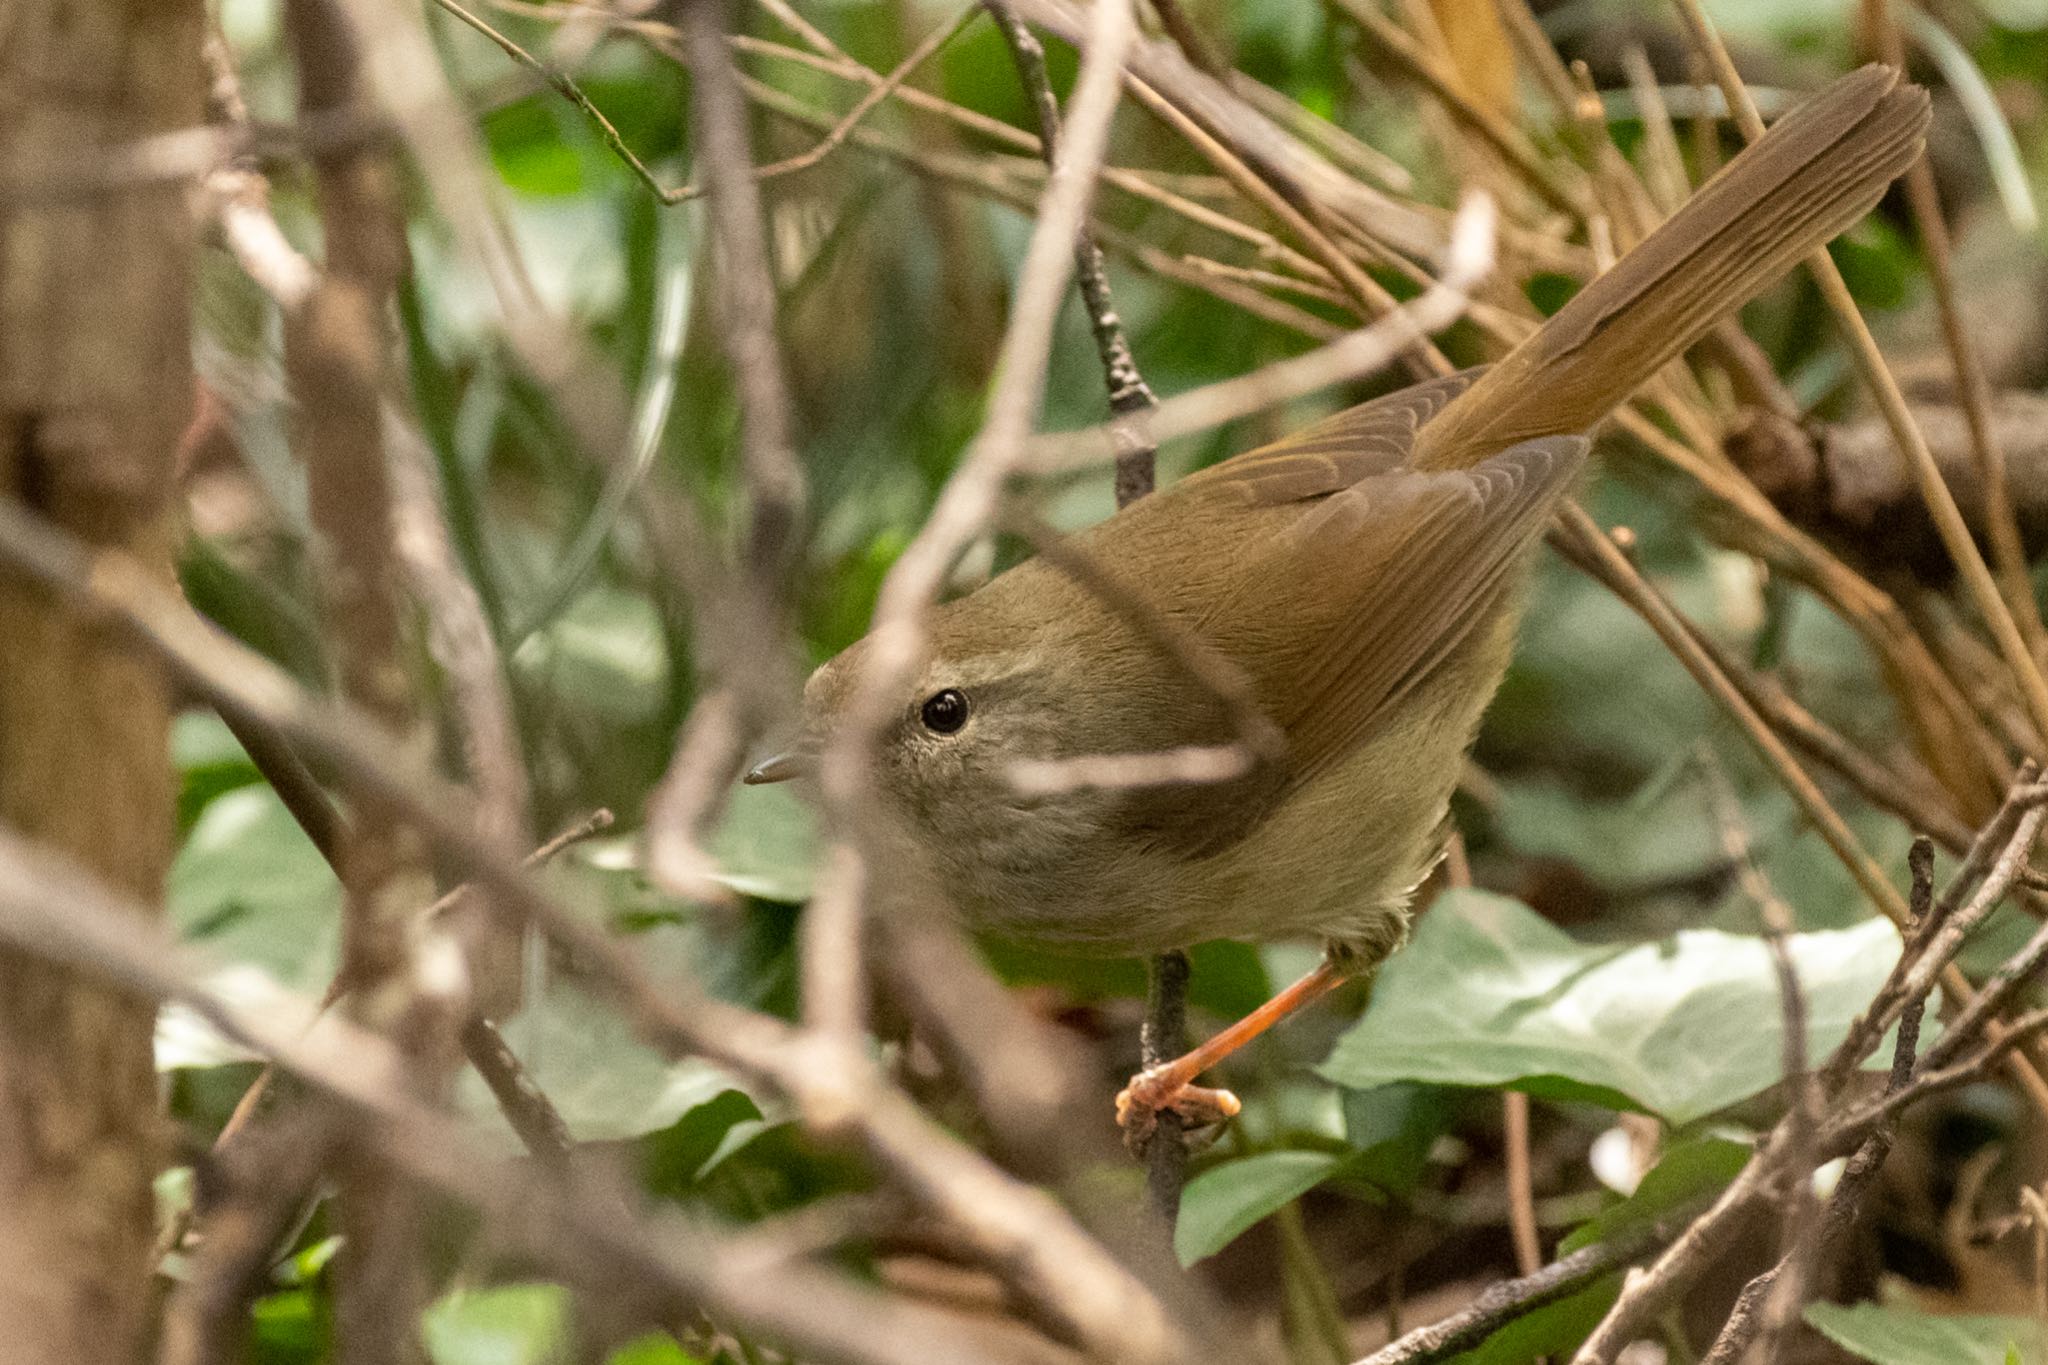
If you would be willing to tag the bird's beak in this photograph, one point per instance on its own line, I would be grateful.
(782, 767)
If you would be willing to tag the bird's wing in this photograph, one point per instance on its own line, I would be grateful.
(1403, 565)
(1338, 452)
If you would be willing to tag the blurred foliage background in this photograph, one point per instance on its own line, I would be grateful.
(1609, 966)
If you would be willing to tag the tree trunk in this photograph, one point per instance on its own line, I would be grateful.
(95, 385)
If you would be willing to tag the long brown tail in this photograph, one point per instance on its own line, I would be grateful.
(1818, 169)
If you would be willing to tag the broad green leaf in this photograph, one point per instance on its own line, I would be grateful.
(606, 1083)
(1224, 1200)
(1393, 1127)
(1552, 1330)
(605, 651)
(767, 846)
(1688, 1169)
(1902, 1336)
(514, 1324)
(251, 887)
(1491, 994)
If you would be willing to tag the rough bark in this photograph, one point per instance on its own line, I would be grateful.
(95, 385)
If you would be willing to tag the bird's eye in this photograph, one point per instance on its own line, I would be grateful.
(944, 712)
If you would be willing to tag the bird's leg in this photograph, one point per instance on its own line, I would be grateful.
(1170, 1085)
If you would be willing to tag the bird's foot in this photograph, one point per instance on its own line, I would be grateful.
(1164, 1088)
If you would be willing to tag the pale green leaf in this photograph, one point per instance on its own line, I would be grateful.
(514, 1324)
(1491, 994)
(1902, 1336)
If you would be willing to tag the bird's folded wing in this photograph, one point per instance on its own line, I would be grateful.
(1401, 567)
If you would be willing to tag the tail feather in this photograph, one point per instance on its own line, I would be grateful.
(1815, 172)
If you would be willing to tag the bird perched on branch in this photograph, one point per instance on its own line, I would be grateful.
(1321, 621)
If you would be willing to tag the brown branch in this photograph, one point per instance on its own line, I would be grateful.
(1844, 480)
(1507, 1300)
(1128, 393)
(253, 1192)
(1923, 200)
(1782, 1157)
(746, 294)
(334, 365)
(459, 636)
(1823, 1241)
(1468, 260)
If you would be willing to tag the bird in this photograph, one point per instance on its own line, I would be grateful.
(1359, 582)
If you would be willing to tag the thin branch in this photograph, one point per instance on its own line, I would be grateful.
(1923, 200)
(1128, 392)
(567, 88)
(1507, 1300)
(746, 293)
(1467, 262)
(1750, 1313)
(254, 1192)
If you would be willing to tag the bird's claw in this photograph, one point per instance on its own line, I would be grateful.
(1151, 1092)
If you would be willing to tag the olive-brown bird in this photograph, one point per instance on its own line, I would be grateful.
(1363, 578)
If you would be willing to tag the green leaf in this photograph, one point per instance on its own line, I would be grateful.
(606, 1083)
(1688, 1169)
(1901, 1336)
(1224, 1200)
(693, 1146)
(656, 1348)
(1490, 994)
(606, 651)
(286, 1329)
(767, 846)
(1552, 1330)
(210, 764)
(250, 886)
(1393, 1127)
(517, 1324)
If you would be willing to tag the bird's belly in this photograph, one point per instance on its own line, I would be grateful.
(1338, 860)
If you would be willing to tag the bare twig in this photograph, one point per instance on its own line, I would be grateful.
(1923, 199)
(1468, 261)
(746, 293)
(1780, 1158)
(1128, 392)
(334, 362)
(459, 634)
(563, 85)
(1506, 1300)
(707, 757)
(526, 1106)
(1822, 1243)
(254, 1192)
